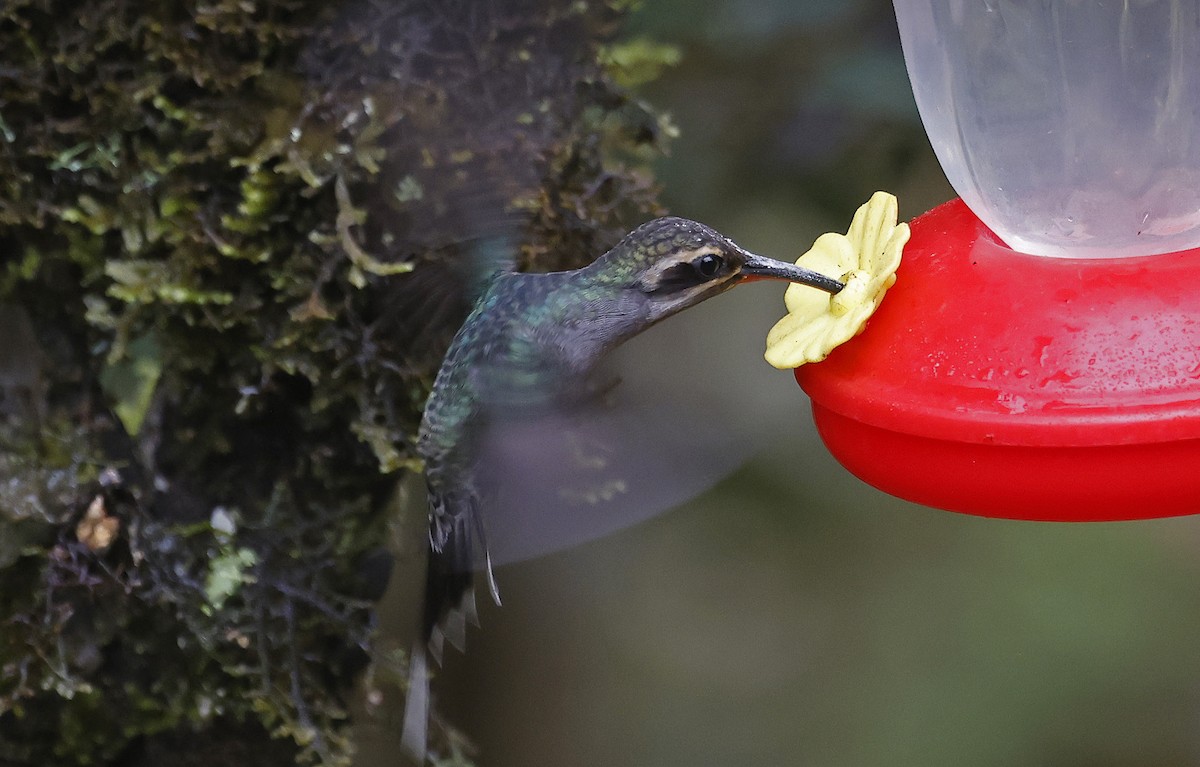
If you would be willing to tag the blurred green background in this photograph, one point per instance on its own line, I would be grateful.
(792, 615)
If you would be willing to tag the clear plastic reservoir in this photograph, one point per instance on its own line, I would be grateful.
(1070, 127)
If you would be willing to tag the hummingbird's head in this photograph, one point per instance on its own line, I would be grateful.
(677, 263)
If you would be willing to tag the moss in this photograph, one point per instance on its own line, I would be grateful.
(233, 235)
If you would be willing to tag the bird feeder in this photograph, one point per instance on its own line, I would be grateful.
(1039, 354)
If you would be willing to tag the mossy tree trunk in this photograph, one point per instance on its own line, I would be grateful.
(232, 245)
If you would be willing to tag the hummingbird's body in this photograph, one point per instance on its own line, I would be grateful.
(533, 342)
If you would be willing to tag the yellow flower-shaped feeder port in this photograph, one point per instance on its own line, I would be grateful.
(865, 258)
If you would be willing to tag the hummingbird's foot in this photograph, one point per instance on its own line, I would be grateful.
(865, 258)
(599, 390)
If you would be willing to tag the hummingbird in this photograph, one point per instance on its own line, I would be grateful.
(533, 344)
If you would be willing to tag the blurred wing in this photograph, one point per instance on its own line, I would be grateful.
(687, 412)
(560, 478)
(484, 157)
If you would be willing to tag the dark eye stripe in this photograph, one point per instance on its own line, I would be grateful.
(678, 277)
(688, 274)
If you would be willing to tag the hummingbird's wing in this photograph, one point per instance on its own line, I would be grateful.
(668, 430)
(483, 173)
(562, 477)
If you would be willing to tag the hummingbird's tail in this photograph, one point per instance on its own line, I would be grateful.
(456, 544)
(416, 704)
(455, 539)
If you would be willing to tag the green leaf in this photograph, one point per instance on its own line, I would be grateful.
(227, 574)
(130, 380)
(639, 61)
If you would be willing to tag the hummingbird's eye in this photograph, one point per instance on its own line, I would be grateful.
(708, 265)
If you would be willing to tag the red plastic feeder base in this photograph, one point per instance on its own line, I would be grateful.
(1007, 385)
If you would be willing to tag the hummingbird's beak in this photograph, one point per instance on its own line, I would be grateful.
(762, 268)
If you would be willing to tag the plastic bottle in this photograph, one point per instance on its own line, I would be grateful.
(1070, 127)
